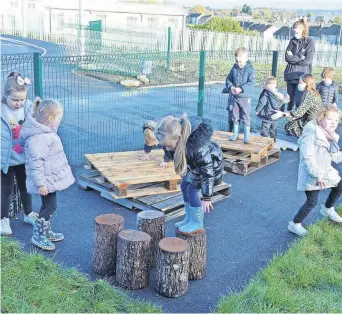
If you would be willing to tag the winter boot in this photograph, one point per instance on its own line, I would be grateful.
(246, 134)
(31, 218)
(5, 227)
(186, 218)
(235, 135)
(196, 221)
(39, 235)
(331, 213)
(53, 236)
(297, 229)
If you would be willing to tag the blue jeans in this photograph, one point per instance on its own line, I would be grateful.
(190, 194)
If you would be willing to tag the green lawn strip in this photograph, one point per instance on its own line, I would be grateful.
(32, 283)
(306, 278)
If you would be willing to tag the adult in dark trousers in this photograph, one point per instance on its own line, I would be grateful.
(299, 55)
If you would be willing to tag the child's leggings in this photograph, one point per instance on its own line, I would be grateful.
(312, 200)
(7, 184)
(49, 206)
(190, 194)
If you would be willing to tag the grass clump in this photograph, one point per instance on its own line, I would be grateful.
(32, 283)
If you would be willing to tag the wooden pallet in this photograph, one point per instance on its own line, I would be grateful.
(171, 204)
(243, 158)
(127, 176)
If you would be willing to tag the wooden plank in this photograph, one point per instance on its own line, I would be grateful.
(257, 139)
(153, 199)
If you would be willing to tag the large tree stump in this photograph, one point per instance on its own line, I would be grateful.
(173, 267)
(107, 228)
(198, 253)
(132, 265)
(153, 223)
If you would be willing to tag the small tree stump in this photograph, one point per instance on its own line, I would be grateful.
(107, 228)
(132, 265)
(198, 253)
(153, 223)
(173, 267)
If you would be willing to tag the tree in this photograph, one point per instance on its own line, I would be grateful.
(338, 19)
(198, 9)
(247, 9)
(221, 24)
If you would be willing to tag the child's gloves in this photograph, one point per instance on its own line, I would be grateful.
(289, 53)
(277, 115)
(225, 90)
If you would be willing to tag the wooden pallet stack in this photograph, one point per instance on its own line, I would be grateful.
(243, 158)
(139, 185)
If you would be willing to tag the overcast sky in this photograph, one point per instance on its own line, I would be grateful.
(288, 4)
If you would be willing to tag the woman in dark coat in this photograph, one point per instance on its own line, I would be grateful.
(299, 55)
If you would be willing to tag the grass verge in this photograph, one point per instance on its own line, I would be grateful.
(32, 283)
(307, 278)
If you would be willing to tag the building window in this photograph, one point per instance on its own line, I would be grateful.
(14, 5)
(152, 21)
(132, 19)
(31, 5)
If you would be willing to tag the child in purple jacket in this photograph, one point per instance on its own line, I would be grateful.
(47, 168)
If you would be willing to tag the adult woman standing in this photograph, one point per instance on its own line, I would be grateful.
(299, 56)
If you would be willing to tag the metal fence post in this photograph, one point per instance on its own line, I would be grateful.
(168, 57)
(38, 74)
(275, 63)
(201, 82)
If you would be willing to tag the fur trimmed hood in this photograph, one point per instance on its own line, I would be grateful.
(201, 133)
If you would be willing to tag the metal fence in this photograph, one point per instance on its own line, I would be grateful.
(102, 115)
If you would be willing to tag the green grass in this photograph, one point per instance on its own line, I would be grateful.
(307, 278)
(32, 283)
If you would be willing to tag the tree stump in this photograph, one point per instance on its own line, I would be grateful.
(107, 228)
(173, 267)
(153, 223)
(132, 265)
(198, 253)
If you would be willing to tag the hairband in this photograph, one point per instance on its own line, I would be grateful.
(20, 79)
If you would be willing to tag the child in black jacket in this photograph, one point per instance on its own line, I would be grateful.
(328, 89)
(270, 102)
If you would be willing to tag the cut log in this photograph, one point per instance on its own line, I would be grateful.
(173, 267)
(153, 223)
(198, 253)
(107, 228)
(132, 265)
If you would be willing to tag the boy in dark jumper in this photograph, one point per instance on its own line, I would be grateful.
(328, 89)
(270, 102)
(240, 82)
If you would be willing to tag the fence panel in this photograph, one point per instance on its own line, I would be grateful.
(101, 115)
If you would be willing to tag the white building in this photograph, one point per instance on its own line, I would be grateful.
(47, 15)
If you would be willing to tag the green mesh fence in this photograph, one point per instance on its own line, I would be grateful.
(108, 97)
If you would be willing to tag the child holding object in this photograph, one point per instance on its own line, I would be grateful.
(197, 159)
(47, 167)
(240, 82)
(270, 101)
(328, 89)
(318, 149)
(310, 105)
(14, 109)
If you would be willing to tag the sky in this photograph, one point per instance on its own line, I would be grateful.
(287, 4)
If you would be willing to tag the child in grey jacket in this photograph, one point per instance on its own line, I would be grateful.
(47, 167)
